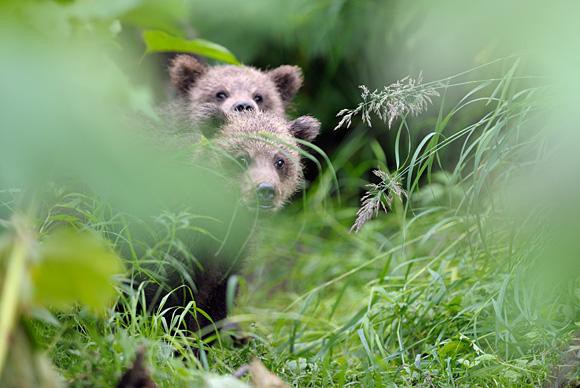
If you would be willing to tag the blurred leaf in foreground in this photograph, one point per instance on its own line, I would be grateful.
(75, 267)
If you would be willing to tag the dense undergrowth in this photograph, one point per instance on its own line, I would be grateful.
(439, 291)
(461, 271)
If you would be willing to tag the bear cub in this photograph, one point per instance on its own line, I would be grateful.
(266, 149)
(261, 153)
(205, 92)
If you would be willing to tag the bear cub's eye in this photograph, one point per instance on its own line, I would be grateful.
(221, 95)
(258, 98)
(279, 163)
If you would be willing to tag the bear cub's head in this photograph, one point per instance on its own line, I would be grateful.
(227, 88)
(266, 149)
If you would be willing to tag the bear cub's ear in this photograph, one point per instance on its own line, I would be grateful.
(305, 128)
(184, 71)
(288, 79)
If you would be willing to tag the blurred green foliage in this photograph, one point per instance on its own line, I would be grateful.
(473, 280)
(74, 268)
(69, 124)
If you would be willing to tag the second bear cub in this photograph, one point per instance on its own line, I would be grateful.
(268, 168)
(266, 147)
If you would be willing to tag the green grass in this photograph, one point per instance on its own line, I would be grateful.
(325, 307)
(471, 279)
(447, 289)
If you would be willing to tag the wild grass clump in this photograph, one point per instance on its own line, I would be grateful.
(439, 291)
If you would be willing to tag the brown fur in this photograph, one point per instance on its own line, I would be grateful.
(199, 85)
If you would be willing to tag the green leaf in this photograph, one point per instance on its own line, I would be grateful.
(159, 41)
(74, 267)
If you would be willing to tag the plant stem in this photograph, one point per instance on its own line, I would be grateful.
(10, 295)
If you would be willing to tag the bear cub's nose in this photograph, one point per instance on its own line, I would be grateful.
(265, 193)
(242, 106)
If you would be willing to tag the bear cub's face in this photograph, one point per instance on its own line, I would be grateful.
(266, 149)
(226, 88)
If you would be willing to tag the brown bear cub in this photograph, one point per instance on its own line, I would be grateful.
(262, 151)
(265, 147)
(206, 92)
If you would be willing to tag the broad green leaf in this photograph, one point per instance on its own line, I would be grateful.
(74, 267)
(159, 41)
